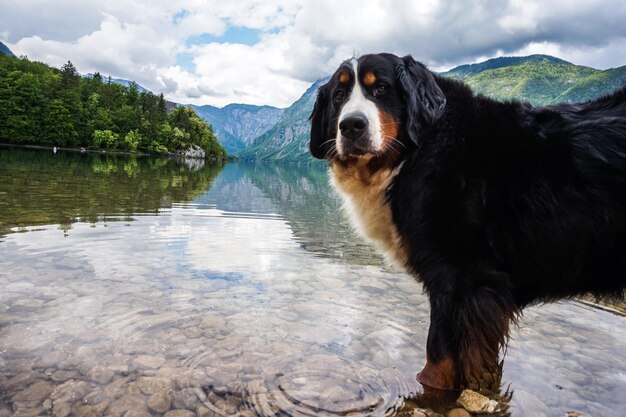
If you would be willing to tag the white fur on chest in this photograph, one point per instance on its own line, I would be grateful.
(365, 200)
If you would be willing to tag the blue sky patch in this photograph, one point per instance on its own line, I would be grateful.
(234, 34)
(185, 60)
(178, 16)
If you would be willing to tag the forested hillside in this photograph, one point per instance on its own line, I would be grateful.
(46, 106)
(538, 79)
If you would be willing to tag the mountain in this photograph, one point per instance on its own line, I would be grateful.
(5, 50)
(127, 83)
(289, 138)
(464, 71)
(597, 84)
(537, 79)
(237, 125)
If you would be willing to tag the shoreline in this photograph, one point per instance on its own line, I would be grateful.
(107, 152)
(80, 150)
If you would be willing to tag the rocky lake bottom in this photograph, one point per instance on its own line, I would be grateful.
(235, 301)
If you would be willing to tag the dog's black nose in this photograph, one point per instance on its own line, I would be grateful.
(353, 126)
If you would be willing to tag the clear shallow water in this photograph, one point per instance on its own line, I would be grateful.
(138, 286)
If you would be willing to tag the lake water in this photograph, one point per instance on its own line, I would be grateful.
(135, 286)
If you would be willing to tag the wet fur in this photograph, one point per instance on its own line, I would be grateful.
(492, 206)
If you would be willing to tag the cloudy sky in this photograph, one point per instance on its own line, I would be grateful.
(269, 51)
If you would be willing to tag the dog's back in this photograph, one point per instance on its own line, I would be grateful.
(584, 202)
(537, 194)
(565, 231)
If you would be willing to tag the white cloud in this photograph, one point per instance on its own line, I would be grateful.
(522, 15)
(300, 40)
(126, 50)
(255, 14)
(195, 24)
(610, 55)
(20, 19)
(241, 73)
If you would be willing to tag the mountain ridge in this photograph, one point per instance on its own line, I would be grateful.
(537, 79)
(288, 139)
(5, 50)
(465, 70)
(237, 125)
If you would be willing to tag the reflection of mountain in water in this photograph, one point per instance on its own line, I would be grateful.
(70, 186)
(304, 197)
(234, 191)
(298, 193)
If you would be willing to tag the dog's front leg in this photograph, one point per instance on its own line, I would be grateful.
(440, 369)
(467, 330)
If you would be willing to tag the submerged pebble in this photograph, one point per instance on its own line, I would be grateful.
(476, 403)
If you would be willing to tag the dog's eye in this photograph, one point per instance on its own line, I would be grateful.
(339, 95)
(380, 89)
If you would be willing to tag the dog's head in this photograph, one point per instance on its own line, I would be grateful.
(375, 105)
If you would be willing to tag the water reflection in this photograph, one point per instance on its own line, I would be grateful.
(231, 295)
(313, 211)
(40, 187)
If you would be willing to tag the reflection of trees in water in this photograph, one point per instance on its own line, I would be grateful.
(40, 187)
(313, 210)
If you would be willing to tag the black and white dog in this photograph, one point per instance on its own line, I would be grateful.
(492, 206)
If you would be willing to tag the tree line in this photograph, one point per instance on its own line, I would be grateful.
(41, 105)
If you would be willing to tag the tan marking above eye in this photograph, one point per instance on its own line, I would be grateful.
(344, 77)
(369, 79)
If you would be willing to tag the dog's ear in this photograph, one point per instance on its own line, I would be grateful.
(424, 99)
(319, 125)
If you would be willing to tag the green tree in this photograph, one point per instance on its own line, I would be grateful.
(23, 103)
(105, 139)
(70, 78)
(161, 110)
(132, 95)
(69, 92)
(41, 104)
(58, 128)
(179, 139)
(196, 132)
(112, 95)
(97, 117)
(124, 119)
(132, 140)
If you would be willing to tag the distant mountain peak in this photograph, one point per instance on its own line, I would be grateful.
(5, 50)
(248, 107)
(464, 71)
(236, 125)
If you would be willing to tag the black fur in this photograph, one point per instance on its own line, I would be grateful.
(319, 118)
(502, 205)
(425, 102)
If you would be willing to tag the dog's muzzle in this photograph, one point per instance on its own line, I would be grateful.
(354, 130)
